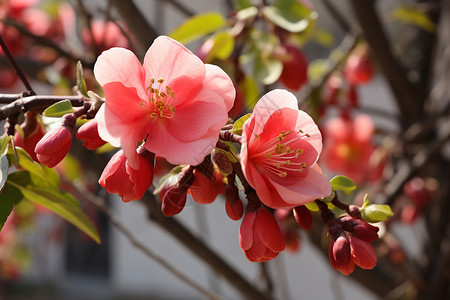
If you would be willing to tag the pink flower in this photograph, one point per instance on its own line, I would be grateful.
(89, 133)
(174, 100)
(295, 67)
(55, 144)
(29, 134)
(129, 183)
(281, 145)
(106, 34)
(260, 236)
(348, 146)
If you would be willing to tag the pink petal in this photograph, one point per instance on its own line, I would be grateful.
(246, 230)
(194, 119)
(120, 65)
(268, 230)
(338, 129)
(168, 59)
(307, 125)
(257, 251)
(124, 102)
(363, 253)
(219, 82)
(314, 185)
(108, 132)
(269, 103)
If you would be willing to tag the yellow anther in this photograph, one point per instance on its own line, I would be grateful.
(160, 80)
(287, 162)
(282, 174)
(280, 148)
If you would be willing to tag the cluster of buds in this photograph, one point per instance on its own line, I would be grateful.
(350, 244)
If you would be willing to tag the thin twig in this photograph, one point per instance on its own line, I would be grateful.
(16, 67)
(338, 17)
(100, 203)
(180, 7)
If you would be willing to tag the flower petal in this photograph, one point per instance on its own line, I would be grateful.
(120, 65)
(268, 230)
(218, 81)
(246, 230)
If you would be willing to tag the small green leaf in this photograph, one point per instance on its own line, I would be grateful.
(414, 16)
(267, 69)
(230, 156)
(81, 82)
(237, 126)
(48, 177)
(342, 183)
(241, 4)
(312, 206)
(13, 158)
(8, 197)
(4, 141)
(294, 25)
(376, 213)
(54, 201)
(223, 46)
(59, 109)
(251, 91)
(317, 69)
(323, 37)
(4, 167)
(247, 13)
(198, 26)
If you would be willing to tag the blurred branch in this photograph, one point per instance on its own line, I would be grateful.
(201, 250)
(337, 16)
(100, 203)
(16, 67)
(408, 100)
(180, 7)
(137, 23)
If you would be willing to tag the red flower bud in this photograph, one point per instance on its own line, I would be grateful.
(89, 133)
(233, 204)
(359, 68)
(303, 216)
(172, 200)
(341, 250)
(29, 134)
(362, 253)
(365, 231)
(204, 190)
(295, 68)
(54, 146)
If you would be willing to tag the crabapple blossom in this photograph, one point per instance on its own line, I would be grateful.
(173, 100)
(260, 236)
(295, 67)
(281, 145)
(205, 189)
(30, 133)
(89, 133)
(129, 183)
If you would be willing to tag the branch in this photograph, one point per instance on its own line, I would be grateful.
(100, 203)
(36, 102)
(180, 7)
(136, 22)
(16, 67)
(408, 100)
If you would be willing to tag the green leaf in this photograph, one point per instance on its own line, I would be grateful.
(8, 197)
(323, 37)
(294, 25)
(59, 109)
(247, 13)
(12, 154)
(198, 26)
(54, 201)
(223, 46)
(230, 156)
(251, 91)
(312, 206)
(4, 142)
(81, 82)
(4, 167)
(267, 69)
(414, 16)
(317, 69)
(376, 213)
(342, 183)
(237, 126)
(47, 177)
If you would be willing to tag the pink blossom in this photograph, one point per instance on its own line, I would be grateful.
(106, 34)
(260, 236)
(89, 133)
(281, 145)
(129, 183)
(348, 146)
(204, 189)
(30, 133)
(174, 100)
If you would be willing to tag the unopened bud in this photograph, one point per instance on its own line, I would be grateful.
(172, 200)
(341, 250)
(222, 162)
(89, 133)
(233, 204)
(54, 146)
(303, 216)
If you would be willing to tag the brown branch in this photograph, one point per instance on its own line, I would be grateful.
(408, 100)
(137, 23)
(180, 7)
(100, 203)
(16, 67)
(200, 249)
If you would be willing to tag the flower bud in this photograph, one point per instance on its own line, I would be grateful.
(303, 216)
(172, 200)
(365, 231)
(295, 67)
(205, 189)
(222, 162)
(376, 213)
(233, 204)
(55, 144)
(341, 250)
(362, 253)
(29, 134)
(359, 68)
(89, 133)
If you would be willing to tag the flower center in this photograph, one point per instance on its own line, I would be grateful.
(160, 96)
(281, 154)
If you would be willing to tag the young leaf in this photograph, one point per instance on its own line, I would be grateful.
(223, 46)
(237, 126)
(342, 183)
(4, 167)
(267, 70)
(81, 82)
(4, 141)
(198, 26)
(312, 206)
(250, 90)
(54, 201)
(59, 109)
(241, 4)
(8, 197)
(277, 17)
(411, 15)
(374, 213)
